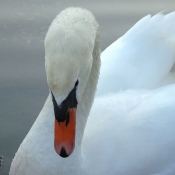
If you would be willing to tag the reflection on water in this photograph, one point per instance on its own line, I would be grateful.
(23, 87)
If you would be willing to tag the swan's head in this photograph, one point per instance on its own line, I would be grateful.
(69, 46)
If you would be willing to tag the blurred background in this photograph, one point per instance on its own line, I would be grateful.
(23, 25)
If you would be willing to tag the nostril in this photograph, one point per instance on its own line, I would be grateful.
(63, 153)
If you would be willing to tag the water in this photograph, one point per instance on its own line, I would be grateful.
(23, 25)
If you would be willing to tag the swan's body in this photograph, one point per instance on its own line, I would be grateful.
(129, 132)
(142, 58)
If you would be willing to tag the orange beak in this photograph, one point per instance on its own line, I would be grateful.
(64, 140)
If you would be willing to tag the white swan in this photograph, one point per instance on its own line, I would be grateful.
(129, 132)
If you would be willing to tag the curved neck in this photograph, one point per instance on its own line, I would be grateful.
(85, 104)
(83, 110)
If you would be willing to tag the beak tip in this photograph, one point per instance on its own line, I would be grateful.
(62, 152)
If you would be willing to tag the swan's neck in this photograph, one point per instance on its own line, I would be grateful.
(74, 161)
(87, 99)
(78, 51)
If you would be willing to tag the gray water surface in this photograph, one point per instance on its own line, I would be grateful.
(23, 25)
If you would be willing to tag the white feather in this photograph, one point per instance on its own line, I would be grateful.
(130, 129)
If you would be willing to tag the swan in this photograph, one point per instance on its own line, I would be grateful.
(131, 125)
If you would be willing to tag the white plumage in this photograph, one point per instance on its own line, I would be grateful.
(142, 58)
(130, 129)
